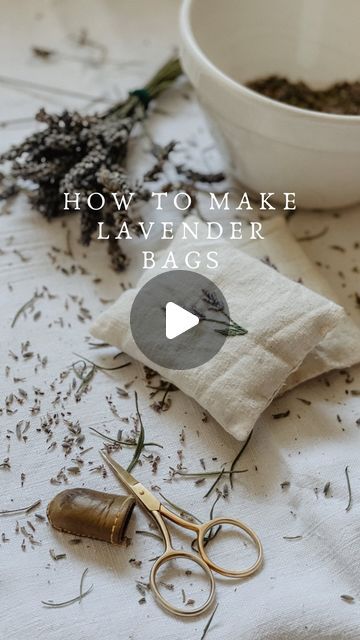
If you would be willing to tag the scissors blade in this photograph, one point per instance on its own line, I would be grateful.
(126, 478)
(148, 500)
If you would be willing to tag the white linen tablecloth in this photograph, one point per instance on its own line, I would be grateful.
(298, 592)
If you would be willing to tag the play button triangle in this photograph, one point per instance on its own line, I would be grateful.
(178, 320)
(164, 310)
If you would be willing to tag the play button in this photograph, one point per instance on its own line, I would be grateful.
(179, 320)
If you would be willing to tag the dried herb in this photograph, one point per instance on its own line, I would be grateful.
(87, 154)
(314, 236)
(85, 370)
(326, 488)
(22, 509)
(205, 474)
(162, 156)
(207, 626)
(304, 401)
(347, 598)
(135, 563)
(122, 393)
(28, 305)
(341, 98)
(348, 488)
(211, 534)
(282, 414)
(57, 556)
(124, 443)
(101, 367)
(141, 439)
(98, 345)
(198, 176)
(214, 484)
(149, 534)
(285, 484)
(82, 580)
(165, 403)
(234, 462)
(85, 374)
(66, 603)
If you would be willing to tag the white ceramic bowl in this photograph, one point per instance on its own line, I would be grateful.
(270, 146)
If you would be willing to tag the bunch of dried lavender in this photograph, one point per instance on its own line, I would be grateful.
(87, 154)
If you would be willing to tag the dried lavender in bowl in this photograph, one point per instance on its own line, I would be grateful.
(341, 98)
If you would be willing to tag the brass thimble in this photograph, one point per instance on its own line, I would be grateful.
(90, 513)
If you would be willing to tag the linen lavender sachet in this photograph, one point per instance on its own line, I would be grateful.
(285, 322)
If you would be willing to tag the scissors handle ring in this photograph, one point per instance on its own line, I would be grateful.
(171, 554)
(201, 539)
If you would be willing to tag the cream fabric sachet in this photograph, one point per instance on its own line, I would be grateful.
(284, 319)
(341, 346)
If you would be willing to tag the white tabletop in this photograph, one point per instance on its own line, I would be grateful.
(298, 592)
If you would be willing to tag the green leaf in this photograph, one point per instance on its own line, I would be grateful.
(232, 330)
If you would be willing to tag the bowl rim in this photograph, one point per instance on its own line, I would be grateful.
(239, 88)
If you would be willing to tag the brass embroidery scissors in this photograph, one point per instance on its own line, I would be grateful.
(159, 513)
